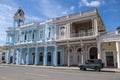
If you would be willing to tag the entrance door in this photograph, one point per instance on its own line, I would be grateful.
(109, 59)
(49, 58)
(58, 58)
(41, 58)
(93, 53)
(33, 58)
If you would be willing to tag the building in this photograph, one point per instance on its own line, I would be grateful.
(3, 54)
(67, 40)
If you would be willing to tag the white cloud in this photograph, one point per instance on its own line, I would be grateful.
(93, 3)
(72, 8)
(6, 19)
(52, 9)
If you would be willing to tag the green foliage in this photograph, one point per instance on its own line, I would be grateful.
(3, 48)
(118, 28)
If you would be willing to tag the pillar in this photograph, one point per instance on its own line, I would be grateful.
(36, 56)
(68, 55)
(28, 56)
(99, 50)
(20, 59)
(8, 57)
(62, 55)
(118, 54)
(14, 56)
(45, 56)
(55, 56)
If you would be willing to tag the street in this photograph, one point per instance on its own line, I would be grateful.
(35, 73)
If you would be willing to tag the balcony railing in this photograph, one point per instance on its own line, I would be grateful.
(110, 36)
(74, 35)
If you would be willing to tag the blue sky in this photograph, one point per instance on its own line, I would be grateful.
(37, 10)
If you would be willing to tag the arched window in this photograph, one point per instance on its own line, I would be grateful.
(33, 36)
(25, 36)
(62, 31)
(49, 32)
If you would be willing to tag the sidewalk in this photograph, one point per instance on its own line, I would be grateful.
(61, 67)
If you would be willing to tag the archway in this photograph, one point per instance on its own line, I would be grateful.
(41, 58)
(33, 58)
(79, 58)
(25, 58)
(49, 58)
(93, 53)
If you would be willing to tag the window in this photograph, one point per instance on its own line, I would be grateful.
(49, 32)
(62, 31)
(41, 34)
(18, 37)
(25, 37)
(33, 36)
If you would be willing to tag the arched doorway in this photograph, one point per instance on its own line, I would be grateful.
(49, 58)
(79, 58)
(33, 58)
(40, 58)
(93, 53)
(25, 58)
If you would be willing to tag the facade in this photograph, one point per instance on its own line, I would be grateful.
(3, 54)
(67, 40)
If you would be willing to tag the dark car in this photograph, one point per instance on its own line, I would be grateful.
(95, 64)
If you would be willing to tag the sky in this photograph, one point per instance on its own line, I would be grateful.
(39, 10)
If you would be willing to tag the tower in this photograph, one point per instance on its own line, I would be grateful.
(19, 17)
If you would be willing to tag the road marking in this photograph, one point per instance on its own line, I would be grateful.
(34, 74)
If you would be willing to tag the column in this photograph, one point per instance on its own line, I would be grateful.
(68, 55)
(95, 26)
(8, 57)
(28, 57)
(36, 56)
(45, 56)
(55, 56)
(62, 55)
(14, 56)
(99, 50)
(20, 59)
(118, 54)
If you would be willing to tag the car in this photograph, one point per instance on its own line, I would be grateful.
(95, 64)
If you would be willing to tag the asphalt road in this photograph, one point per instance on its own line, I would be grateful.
(32, 73)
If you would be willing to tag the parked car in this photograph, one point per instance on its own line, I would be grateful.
(95, 64)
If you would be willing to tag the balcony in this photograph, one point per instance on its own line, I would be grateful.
(76, 36)
(110, 36)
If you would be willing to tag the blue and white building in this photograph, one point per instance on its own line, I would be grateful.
(67, 40)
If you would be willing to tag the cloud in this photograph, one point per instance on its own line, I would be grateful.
(52, 9)
(72, 8)
(6, 19)
(93, 3)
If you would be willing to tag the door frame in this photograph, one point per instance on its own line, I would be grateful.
(104, 58)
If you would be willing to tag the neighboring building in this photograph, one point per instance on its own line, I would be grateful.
(3, 54)
(67, 40)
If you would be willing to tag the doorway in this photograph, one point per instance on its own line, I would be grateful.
(40, 58)
(49, 58)
(33, 58)
(58, 58)
(109, 59)
(93, 53)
